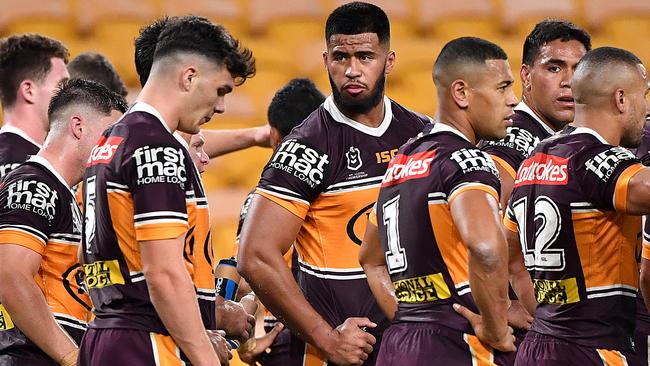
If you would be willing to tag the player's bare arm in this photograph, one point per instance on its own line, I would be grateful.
(221, 142)
(371, 257)
(174, 298)
(488, 267)
(24, 300)
(260, 262)
(638, 193)
(519, 276)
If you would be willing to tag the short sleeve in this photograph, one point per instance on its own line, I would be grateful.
(28, 212)
(605, 173)
(645, 251)
(295, 175)
(509, 219)
(467, 169)
(158, 175)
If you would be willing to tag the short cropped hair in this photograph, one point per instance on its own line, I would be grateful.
(145, 45)
(84, 92)
(356, 18)
(94, 66)
(550, 30)
(466, 50)
(25, 57)
(292, 104)
(191, 34)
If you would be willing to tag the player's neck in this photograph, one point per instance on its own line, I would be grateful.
(64, 160)
(459, 122)
(27, 120)
(159, 99)
(553, 126)
(373, 118)
(598, 121)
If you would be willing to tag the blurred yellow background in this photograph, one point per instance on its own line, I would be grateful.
(287, 39)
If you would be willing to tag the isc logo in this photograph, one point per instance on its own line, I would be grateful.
(160, 165)
(34, 196)
(104, 151)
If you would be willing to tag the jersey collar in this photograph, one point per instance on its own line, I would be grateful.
(523, 107)
(17, 131)
(37, 159)
(443, 127)
(591, 132)
(338, 116)
(145, 107)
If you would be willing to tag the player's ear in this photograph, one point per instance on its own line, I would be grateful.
(620, 100)
(276, 137)
(76, 126)
(26, 90)
(524, 74)
(460, 93)
(188, 78)
(390, 62)
(325, 58)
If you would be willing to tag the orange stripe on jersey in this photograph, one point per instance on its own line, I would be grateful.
(509, 224)
(606, 243)
(612, 358)
(165, 351)
(297, 208)
(511, 171)
(313, 357)
(451, 246)
(203, 273)
(471, 186)
(120, 206)
(620, 193)
(482, 355)
(24, 239)
(334, 227)
(63, 294)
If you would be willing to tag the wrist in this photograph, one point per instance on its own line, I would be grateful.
(326, 340)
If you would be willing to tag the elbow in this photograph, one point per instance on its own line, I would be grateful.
(488, 255)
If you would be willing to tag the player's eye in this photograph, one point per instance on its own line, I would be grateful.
(554, 68)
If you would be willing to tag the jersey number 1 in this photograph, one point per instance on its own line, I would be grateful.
(395, 256)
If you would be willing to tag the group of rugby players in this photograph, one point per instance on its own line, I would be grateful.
(498, 232)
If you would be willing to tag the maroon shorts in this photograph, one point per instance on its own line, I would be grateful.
(110, 347)
(542, 350)
(279, 354)
(431, 344)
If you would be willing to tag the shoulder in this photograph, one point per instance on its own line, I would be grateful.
(402, 113)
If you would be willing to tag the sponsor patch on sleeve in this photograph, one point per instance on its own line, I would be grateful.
(517, 139)
(472, 160)
(604, 164)
(162, 164)
(33, 196)
(303, 162)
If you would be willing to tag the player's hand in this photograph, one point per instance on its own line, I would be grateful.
(221, 347)
(262, 343)
(351, 345)
(518, 317)
(500, 339)
(234, 320)
(262, 136)
(70, 359)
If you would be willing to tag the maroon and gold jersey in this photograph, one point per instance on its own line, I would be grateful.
(38, 212)
(198, 251)
(327, 171)
(137, 187)
(15, 148)
(425, 255)
(526, 132)
(579, 246)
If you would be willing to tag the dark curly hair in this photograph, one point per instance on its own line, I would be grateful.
(193, 34)
(548, 31)
(25, 57)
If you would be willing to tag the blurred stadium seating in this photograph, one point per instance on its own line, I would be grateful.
(287, 38)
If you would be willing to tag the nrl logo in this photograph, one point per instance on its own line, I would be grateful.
(354, 158)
